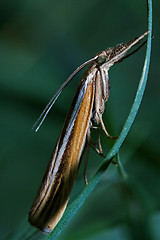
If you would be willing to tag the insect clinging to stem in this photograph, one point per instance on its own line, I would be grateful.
(86, 110)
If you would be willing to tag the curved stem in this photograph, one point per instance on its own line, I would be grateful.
(78, 202)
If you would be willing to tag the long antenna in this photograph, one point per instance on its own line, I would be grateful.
(46, 110)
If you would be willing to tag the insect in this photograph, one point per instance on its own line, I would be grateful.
(86, 110)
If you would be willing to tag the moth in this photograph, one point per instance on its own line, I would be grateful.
(85, 112)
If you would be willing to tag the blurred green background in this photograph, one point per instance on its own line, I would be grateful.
(41, 43)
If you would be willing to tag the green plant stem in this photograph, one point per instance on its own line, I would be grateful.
(79, 201)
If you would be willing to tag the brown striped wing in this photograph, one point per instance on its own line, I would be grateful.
(53, 194)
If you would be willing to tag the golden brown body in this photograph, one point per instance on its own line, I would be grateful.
(53, 194)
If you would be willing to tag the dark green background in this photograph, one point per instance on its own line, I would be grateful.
(41, 43)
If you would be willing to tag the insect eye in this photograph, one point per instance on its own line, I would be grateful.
(101, 59)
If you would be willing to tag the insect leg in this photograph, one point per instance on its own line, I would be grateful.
(98, 150)
(103, 127)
